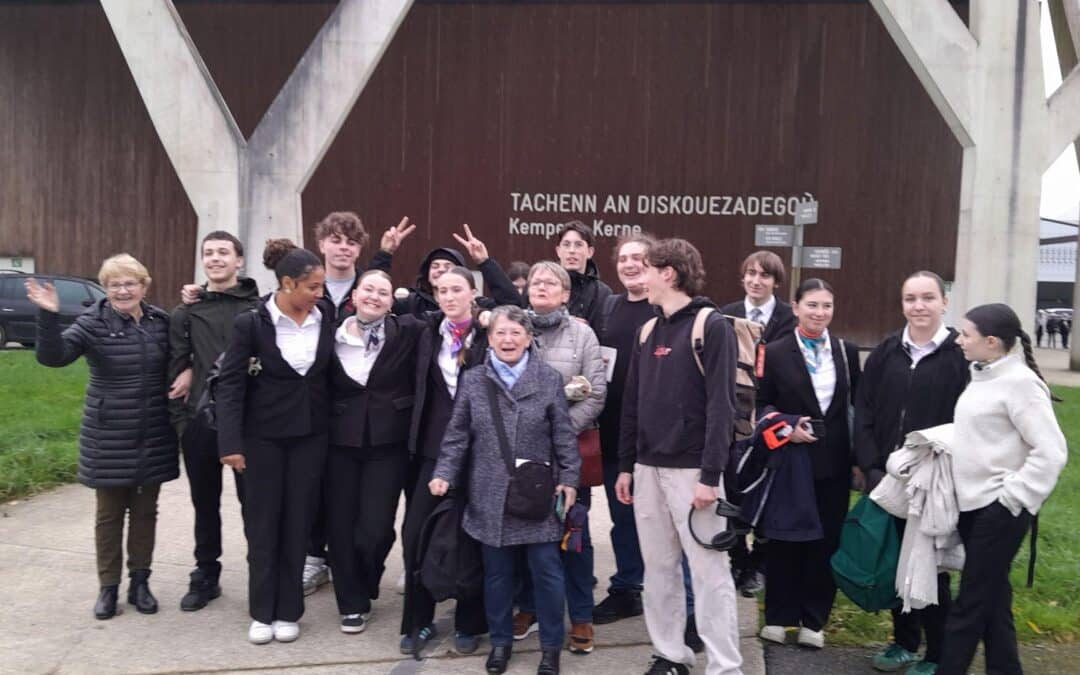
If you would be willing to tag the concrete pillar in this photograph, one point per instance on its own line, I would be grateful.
(987, 83)
(251, 188)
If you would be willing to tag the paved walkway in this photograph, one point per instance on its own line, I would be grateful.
(49, 586)
(1054, 364)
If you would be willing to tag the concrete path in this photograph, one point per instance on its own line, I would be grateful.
(49, 586)
(1054, 364)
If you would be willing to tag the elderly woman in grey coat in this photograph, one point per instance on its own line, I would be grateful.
(569, 346)
(534, 413)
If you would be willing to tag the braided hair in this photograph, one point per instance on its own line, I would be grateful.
(999, 320)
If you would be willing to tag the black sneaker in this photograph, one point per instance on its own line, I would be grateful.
(353, 623)
(619, 604)
(201, 590)
(408, 646)
(691, 637)
(661, 666)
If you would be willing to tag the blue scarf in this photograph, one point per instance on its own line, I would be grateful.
(509, 374)
(811, 349)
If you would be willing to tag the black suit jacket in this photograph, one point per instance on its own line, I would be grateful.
(278, 402)
(378, 413)
(786, 387)
(781, 323)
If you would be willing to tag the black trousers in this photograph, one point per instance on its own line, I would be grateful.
(469, 615)
(983, 606)
(203, 468)
(360, 497)
(800, 588)
(908, 628)
(744, 558)
(281, 490)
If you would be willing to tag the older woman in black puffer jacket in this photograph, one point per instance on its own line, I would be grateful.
(126, 447)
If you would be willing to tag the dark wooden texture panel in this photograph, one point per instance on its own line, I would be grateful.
(82, 173)
(475, 101)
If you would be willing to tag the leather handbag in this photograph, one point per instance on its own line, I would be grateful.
(532, 487)
(592, 465)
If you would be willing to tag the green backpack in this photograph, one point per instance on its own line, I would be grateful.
(864, 566)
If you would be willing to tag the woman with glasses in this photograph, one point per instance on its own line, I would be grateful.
(127, 448)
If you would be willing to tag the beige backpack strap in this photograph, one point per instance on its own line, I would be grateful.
(646, 330)
(697, 335)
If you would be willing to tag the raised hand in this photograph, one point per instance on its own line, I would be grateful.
(393, 237)
(189, 293)
(476, 248)
(42, 295)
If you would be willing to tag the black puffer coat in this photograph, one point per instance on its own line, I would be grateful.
(125, 439)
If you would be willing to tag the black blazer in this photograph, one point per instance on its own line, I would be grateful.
(278, 402)
(781, 323)
(380, 412)
(432, 409)
(786, 387)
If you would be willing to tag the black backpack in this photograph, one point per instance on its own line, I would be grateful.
(451, 564)
(201, 430)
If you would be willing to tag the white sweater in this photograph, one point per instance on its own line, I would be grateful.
(1007, 444)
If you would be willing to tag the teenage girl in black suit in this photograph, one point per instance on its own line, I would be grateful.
(372, 386)
(806, 375)
(272, 399)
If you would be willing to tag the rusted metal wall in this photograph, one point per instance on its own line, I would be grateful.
(475, 102)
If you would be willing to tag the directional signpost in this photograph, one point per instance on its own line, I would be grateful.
(774, 235)
(811, 257)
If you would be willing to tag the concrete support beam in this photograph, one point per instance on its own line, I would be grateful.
(940, 49)
(988, 82)
(250, 188)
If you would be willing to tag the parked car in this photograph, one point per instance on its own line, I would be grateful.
(18, 316)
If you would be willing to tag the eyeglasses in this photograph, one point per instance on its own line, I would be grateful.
(550, 283)
(117, 286)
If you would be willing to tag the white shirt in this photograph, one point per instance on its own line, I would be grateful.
(339, 289)
(298, 344)
(824, 380)
(448, 363)
(918, 353)
(766, 309)
(353, 352)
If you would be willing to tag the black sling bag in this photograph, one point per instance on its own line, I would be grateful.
(532, 486)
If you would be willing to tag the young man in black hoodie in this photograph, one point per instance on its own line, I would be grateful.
(198, 334)
(587, 293)
(673, 450)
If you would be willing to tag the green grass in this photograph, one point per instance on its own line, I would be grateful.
(40, 410)
(1048, 612)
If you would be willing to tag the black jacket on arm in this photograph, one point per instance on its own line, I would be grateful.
(894, 398)
(380, 412)
(278, 402)
(780, 323)
(786, 387)
(672, 415)
(125, 438)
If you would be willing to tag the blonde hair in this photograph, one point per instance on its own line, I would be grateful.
(553, 267)
(123, 264)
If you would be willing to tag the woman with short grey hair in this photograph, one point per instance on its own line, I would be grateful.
(512, 430)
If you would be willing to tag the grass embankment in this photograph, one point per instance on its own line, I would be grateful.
(1049, 612)
(40, 410)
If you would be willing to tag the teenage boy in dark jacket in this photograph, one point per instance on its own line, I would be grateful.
(198, 334)
(587, 293)
(673, 450)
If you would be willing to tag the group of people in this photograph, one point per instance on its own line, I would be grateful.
(1053, 326)
(334, 395)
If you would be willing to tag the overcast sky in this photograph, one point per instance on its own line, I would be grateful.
(1061, 184)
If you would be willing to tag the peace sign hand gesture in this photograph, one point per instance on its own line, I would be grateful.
(42, 295)
(393, 237)
(476, 248)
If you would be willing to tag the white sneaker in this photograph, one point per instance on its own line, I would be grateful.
(815, 639)
(316, 573)
(776, 634)
(260, 633)
(399, 586)
(286, 631)
(353, 623)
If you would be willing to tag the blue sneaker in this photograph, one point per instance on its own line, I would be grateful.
(894, 658)
(922, 668)
(422, 637)
(466, 644)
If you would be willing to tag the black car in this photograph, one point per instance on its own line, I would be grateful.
(18, 316)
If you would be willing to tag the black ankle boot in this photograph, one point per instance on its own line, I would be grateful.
(499, 659)
(139, 592)
(105, 607)
(201, 590)
(549, 662)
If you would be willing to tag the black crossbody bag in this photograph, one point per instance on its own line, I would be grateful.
(532, 486)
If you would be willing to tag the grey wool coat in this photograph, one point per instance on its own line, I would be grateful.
(125, 439)
(537, 427)
(571, 348)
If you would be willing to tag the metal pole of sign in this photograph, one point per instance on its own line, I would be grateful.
(796, 259)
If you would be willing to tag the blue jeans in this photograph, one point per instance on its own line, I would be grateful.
(546, 571)
(629, 569)
(579, 575)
